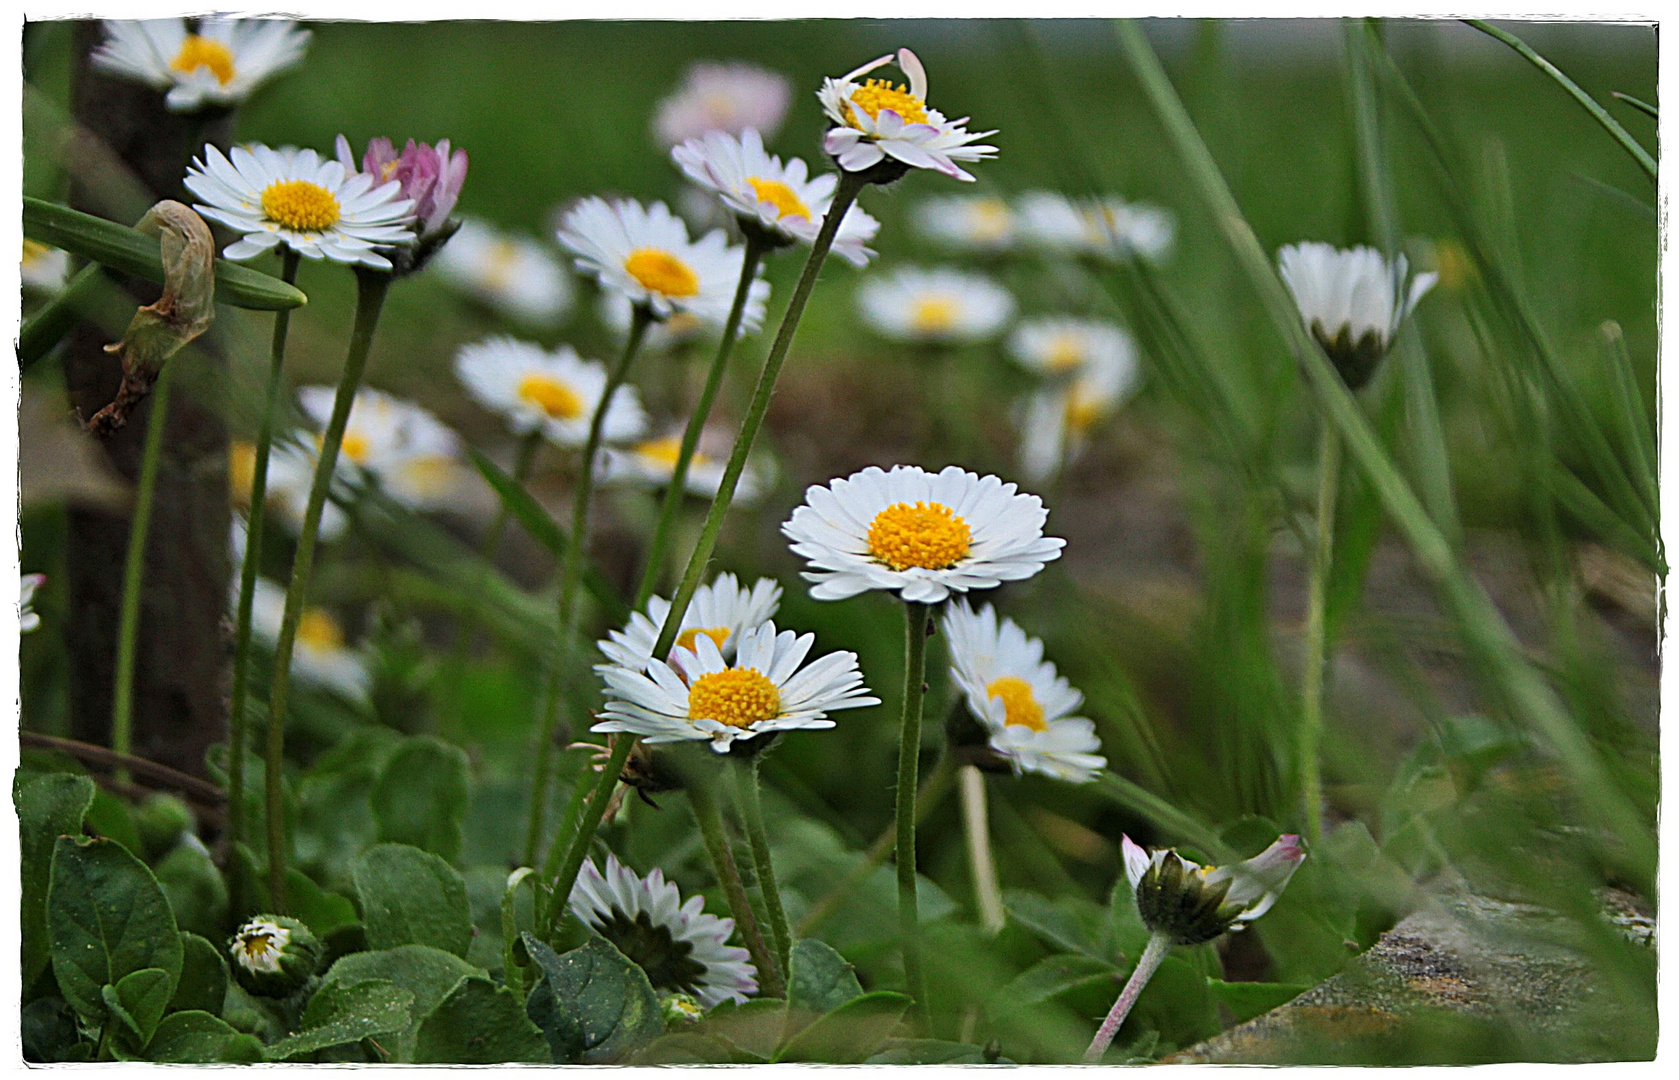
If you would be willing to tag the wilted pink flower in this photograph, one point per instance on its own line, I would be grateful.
(432, 177)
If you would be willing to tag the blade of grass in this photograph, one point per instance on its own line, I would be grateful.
(1642, 106)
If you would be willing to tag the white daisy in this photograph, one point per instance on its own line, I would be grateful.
(413, 456)
(219, 65)
(556, 391)
(44, 268)
(652, 463)
(722, 611)
(645, 254)
(319, 655)
(784, 200)
(300, 199)
(967, 222)
(1095, 365)
(28, 583)
(1025, 706)
(1352, 301)
(763, 690)
(942, 305)
(1106, 227)
(1059, 346)
(679, 946)
(512, 273)
(921, 534)
(722, 97)
(875, 120)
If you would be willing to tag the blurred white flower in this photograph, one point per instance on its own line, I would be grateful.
(875, 120)
(26, 617)
(44, 268)
(652, 464)
(1107, 228)
(1060, 346)
(514, 274)
(1094, 365)
(1352, 301)
(723, 97)
(941, 305)
(220, 64)
(556, 391)
(682, 328)
(291, 472)
(967, 222)
(722, 611)
(411, 455)
(319, 655)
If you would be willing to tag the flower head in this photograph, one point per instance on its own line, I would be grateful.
(644, 253)
(512, 273)
(652, 463)
(722, 97)
(722, 611)
(294, 197)
(1095, 367)
(875, 120)
(1024, 704)
(431, 177)
(1106, 228)
(556, 391)
(1352, 301)
(44, 268)
(273, 956)
(968, 222)
(680, 947)
(27, 584)
(923, 535)
(220, 64)
(411, 454)
(319, 655)
(943, 305)
(782, 201)
(766, 688)
(1195, 903)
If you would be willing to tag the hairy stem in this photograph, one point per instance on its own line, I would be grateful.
(770, 983)
(988, 896)
(916, 621)
(752, 810)
(1317, 632)
(1159, 944)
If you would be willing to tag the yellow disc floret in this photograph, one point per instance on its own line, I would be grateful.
(738, 697)
(1066, 352)
(319, 631)
(1020, 708)
(780, 196)
(551, 395)
(933, 314)
(241, 469)
(355, 447)
(878, 94)
(661, 272)
(928, 535)
(201, 52)
(1083, 411)
(300, 205)
(663, 452)
(686, 639)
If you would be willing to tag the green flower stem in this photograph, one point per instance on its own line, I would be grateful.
(752, 810)
(757, 244)
(916, 621)
(371, 287)
(236, 725)
(593, 811)
(580, 789)
(134, 572)
(770, 983)
(1159, 944)
(1317, 632)
(988, 895)
(571, 570)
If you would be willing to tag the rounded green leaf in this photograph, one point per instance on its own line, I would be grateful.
(412, 897)
(106, 918)
(420, 798)
(479, 1023)
(203, 981)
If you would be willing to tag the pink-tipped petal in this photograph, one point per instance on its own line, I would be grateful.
(1136, 860)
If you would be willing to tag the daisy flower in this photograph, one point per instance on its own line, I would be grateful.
(1096, 366)
(294, 197)
(762, 691)
(1058, 346)
(219, 65)
(1352, 301)
(942, 305)
(644, 253)
(783, 201)
(1025, 706)
(512, 273)
(44, 268)
(1175, 895)
(967, 222)
(412, 455)
(28, 583)
(431, 178)
(680, 947)
(291, 472)
(722, 97)
(320, 655)
(557, 391)
(923, 535)
(875, 120)
(722, 611)
(1108, 227)
(652, 463)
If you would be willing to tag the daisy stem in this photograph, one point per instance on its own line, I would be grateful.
(988, 896)
(371, 287)
(710, 821)
(916, 622)
(571, 569)
(752, 810)
(1317, 631)
(599, 796)
(671, 510)
(1159, 944)
(580, 789)
(134, 572)
(236, 725)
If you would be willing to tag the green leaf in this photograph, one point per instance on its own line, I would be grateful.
(1246, 1000)
(322, 911)
(48, 807)
(106, 918)
(111, 818)
(1177, 1003)
(203, 981)
(821, 981)
(48, 1031)
(427, 973)
(196, 890)
(594, 1004)
(138, 1000)
(851, 1033)
(194, 1037)
(932, 1052)
(756, 1027)
(1054, 922)
(1056, 975)
(412, 897)
(479, 1023)
(133, 252)
(341, 1014)
(420, 798)
(693, 1048)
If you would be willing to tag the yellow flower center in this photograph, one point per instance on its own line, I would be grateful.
(928, 535)
(1082, 411)
(300, 205)
(738, 697)
(241, 470)
(663, 452)
(551, 396)
(686, 639)
(355, 447)
(661, 272)
(1019, 706)
(319, 631)
(499, 264)
(430, 476)
(1065, 353)
(780, 196)
(201, 52)
(33, 251)
(991, 219)
(933, 314)
(878, 94)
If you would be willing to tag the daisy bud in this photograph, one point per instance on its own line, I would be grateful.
(161, 820)
(273, 955)
(1193, 903)
(431, 177)
(680, 1010)
(1352, 301)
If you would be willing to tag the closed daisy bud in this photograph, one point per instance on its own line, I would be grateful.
(1193, 903)
(681, 1010)
(273, 955)
(1352, 301)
